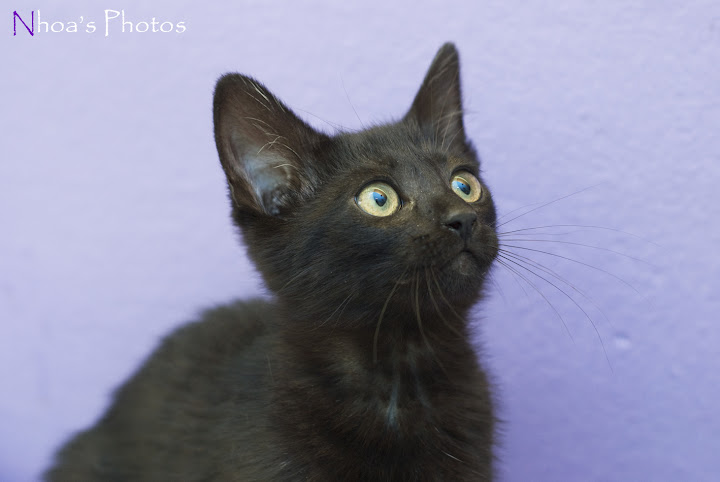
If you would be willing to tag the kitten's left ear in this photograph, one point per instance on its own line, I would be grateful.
(265, 149)
(437, 107)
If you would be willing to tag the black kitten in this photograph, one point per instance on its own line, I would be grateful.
(376, 245)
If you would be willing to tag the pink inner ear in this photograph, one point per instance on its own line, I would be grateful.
(262, 145)
(270, 178)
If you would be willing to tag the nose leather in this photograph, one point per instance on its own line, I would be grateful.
(461, 223)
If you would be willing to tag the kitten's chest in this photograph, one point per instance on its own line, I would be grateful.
(402, 418)
(404, 395)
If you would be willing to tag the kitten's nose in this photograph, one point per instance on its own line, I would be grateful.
(461, 223)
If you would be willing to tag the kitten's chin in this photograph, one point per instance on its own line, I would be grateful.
(465, 264)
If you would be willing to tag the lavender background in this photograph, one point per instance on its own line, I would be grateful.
(115, 224)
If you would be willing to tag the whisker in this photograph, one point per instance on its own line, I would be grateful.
(555, 275)
(342, 304)
(498, 288)
(447, 124)
(442, 296)
(513, 270)
(549, 203)
(591, 226)
(452, 138)
(419, 321)
(540, 233)
(437, 308)
(514, 276)
(382, 313)
(580, 244)
(517, 209)
(350, 102)
(568, 297)
(334, 125)
(578, 262)
(301, 273)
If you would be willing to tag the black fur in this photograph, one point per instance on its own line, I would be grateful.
(361, 367)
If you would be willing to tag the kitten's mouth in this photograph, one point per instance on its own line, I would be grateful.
(464, 262)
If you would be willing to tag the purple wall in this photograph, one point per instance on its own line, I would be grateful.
(115, 226)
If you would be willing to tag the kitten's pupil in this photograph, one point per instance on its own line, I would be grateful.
(462, 186)
(379, 197)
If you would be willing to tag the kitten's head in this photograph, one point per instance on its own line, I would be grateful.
(395, 217)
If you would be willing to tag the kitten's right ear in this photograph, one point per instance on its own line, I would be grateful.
(264, 148)
(437, 107)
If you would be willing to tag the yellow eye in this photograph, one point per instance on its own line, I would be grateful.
(378, 199)
(466, 186)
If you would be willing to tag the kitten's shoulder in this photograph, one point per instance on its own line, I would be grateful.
(231, 326)
(198, 378)
(226, 341)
